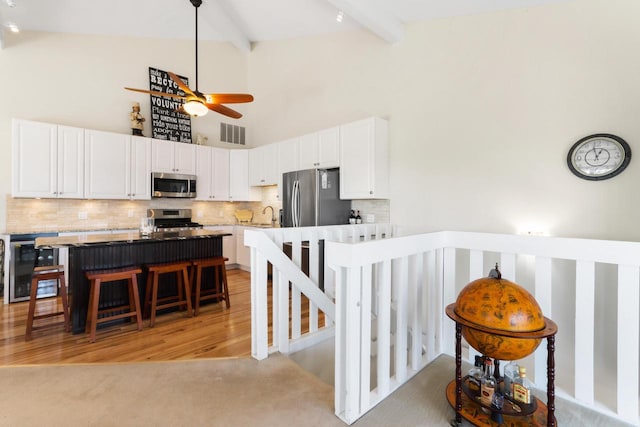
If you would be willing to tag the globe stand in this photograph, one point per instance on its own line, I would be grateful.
(548, 332)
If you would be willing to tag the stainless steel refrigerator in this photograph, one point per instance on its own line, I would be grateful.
(312, 197)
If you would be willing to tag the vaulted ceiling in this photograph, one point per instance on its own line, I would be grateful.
(240, 22)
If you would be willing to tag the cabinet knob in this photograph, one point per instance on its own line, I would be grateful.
(370, 192)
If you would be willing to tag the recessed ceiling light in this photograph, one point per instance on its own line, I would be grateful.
(340, 16)
(10, 3)
(12, 27)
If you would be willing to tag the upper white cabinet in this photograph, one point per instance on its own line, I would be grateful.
(220, 165)
(288, 156)
(320, 149)
(173, 157)
(140, 183)
(288, 160)
(263, 165)
(239, 189)
(212, 169)
(117, 166)
(364, 159)
(48, 160)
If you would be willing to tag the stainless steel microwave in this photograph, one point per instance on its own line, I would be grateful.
(172, 185)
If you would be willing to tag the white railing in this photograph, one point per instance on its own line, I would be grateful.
(304, 248)
(389, 315)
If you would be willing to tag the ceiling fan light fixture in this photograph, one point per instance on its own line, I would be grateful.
(195, 108)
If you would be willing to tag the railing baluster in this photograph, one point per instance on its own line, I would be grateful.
(365, 337)
(400, 273)
(314, 259)
(476, 266)
(384, 328)
(584, 341)
(415, 310)
(543, 297)
(628, 350)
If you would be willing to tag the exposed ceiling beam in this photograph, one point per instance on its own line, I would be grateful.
(216, 15)
(372, 16)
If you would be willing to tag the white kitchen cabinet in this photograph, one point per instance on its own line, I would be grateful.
(243, 253)
(263, 165)
(228, 242)
(173, 157)
(288, 156)
(117, 166)
(364, 159)
(47, 160)
(320, 149)
(220, 165)
(212, 170)
(288, 159)
(239, 189)
(140, 166)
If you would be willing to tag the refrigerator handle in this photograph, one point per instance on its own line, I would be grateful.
(294, 203)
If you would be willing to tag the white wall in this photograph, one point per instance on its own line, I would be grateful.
(482, 112)
(482, 109)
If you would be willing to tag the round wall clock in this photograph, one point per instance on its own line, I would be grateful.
(599, 156)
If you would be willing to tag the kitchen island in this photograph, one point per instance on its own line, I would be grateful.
(98, 252)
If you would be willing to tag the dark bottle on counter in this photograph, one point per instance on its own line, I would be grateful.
(352, 217)
(358, 218)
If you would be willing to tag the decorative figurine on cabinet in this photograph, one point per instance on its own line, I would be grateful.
(137, 121)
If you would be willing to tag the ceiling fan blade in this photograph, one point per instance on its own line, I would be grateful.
(224, 110)
(228, 98)
(153, 92)
(181, 84)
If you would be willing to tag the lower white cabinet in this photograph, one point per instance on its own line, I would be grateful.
(228, 242)
(243, 253)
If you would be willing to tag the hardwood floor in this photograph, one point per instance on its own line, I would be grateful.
(216, 332)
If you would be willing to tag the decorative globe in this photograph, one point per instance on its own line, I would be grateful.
(499, 304)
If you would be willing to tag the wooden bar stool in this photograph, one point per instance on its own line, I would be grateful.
(220, 278)
(153, 304)
(52, 272)
(100, 277)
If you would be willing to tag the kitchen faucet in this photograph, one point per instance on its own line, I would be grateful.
(273, 215)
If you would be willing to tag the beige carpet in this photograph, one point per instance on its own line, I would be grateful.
(219, 392)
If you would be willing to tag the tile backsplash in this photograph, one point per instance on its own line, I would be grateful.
(49, 215)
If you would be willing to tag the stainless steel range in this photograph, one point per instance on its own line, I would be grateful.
(173, 219)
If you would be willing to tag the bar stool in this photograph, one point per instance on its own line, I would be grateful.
(152, 303)
(100, 277)
(52, 272)
(220, 275)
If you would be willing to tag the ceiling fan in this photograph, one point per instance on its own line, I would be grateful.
(196, 103)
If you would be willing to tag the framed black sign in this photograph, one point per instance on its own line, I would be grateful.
(166, 122)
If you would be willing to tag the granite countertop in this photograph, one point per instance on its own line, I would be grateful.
(132, 237)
